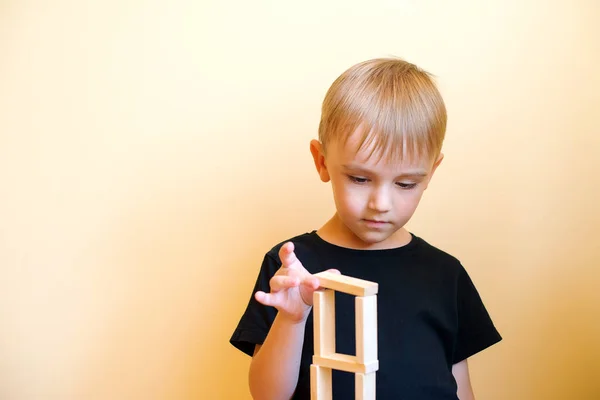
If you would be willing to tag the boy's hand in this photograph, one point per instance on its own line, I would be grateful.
(292, 287)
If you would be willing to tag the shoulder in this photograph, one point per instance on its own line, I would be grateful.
(434, 255)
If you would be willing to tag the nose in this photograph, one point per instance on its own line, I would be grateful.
(381, 199)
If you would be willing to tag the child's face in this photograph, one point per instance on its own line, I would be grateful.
(374, 197)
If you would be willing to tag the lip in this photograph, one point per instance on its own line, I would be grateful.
(374, 222)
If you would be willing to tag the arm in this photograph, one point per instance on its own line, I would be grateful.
(461, 375)
(275, 365)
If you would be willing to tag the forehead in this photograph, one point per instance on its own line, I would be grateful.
(353, 151)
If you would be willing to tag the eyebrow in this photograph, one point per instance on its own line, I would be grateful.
(411, 173)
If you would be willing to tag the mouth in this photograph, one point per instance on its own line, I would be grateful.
(375, 222)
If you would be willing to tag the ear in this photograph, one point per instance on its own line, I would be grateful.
(436, 164)
(316, 149)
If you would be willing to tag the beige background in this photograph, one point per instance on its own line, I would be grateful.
(151, 152)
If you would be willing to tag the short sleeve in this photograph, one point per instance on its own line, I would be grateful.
(257, 319)
(476, 330)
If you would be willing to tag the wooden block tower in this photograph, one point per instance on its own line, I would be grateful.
(365, 363)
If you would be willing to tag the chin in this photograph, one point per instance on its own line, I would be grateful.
(373, 238)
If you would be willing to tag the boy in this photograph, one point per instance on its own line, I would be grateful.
(380, 138)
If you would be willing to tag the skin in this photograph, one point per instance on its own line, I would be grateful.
(374, 198)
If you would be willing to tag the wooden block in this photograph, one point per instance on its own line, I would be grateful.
(366, 329)
(364, 385)
(365, 364)
(347, 284)
(324, 321)
(320, 383)
(344, 362)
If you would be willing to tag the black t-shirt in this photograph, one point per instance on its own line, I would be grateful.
(429, 315)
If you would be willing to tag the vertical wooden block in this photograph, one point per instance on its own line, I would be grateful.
(366, 329)
(324, 322)
(320, 383)
(364, 386)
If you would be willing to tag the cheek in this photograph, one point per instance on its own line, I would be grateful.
(347, 196)
(409, 201)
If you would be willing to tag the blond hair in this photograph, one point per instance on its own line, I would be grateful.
(394, 105)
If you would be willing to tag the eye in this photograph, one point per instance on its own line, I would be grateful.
(403, 185)
(357, 179)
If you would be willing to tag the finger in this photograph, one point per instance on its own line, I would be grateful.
(309, 285)
(334, 271)
(267, 299)
(287, 256)
(311, 282)
(280, 282)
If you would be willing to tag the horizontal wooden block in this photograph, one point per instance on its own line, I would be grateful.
(347, 284)
(344, 362)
